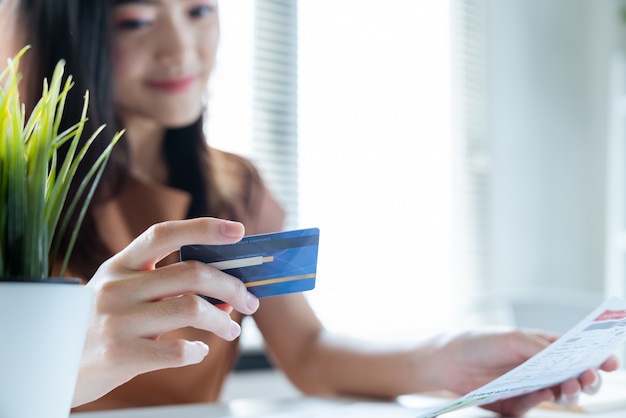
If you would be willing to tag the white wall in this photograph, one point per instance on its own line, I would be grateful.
(549, 75)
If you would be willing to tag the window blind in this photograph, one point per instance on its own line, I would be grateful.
(252, 101)
(471, 136)
(275, 108)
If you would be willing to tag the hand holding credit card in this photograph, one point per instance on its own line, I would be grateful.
(269, 264)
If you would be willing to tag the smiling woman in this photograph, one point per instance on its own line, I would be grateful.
(147, 320)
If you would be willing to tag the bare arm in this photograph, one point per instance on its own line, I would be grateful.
(319, 362)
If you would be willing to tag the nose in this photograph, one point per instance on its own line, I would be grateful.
(173, 44)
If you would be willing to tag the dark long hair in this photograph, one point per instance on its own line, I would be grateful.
(185, 150)
(78, 31)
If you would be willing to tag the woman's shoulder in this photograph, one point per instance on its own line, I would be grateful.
(233, 164)
(242, 185)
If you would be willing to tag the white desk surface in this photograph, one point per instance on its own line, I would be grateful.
(610, 402)
(306, 407)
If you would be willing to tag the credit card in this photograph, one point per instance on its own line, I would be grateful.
(269, 264)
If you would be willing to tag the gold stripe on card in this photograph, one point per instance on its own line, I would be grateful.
(280, 280)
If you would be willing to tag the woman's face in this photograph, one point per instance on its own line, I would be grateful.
(163, 54)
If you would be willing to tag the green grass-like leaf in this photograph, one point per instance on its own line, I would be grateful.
(34, 183)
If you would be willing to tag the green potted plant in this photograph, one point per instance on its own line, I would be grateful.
(43, 320)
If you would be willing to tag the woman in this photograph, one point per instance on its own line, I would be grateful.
(146, 64)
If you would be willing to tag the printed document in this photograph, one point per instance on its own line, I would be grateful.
(583, 347)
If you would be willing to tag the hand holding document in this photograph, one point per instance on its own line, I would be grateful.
(583, 347)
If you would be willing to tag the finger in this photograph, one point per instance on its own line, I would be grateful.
(518, 406)
(527, 344)
(188, 277)
(225, 307)
(546, 336)
(162, 239)
(155, 319)
(569, 393)
(150, 355)
(590, 382)
(610, 364)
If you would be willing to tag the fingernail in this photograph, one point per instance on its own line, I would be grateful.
(568, 400)
(593, 388)
(232, 229)
(198, 351)
(235, 330)
(252, 302)
(204, 348)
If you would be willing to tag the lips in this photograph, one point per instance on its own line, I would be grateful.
(172, 85)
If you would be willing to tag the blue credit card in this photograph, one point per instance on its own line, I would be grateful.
(269, 264)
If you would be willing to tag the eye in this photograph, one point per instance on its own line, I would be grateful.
(134, 16)
(132, 24)
(201, 11)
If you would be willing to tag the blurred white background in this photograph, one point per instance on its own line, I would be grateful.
(458, 156)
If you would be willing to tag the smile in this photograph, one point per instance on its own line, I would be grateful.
(172, 85)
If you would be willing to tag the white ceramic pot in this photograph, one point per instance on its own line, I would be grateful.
(42, 333)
